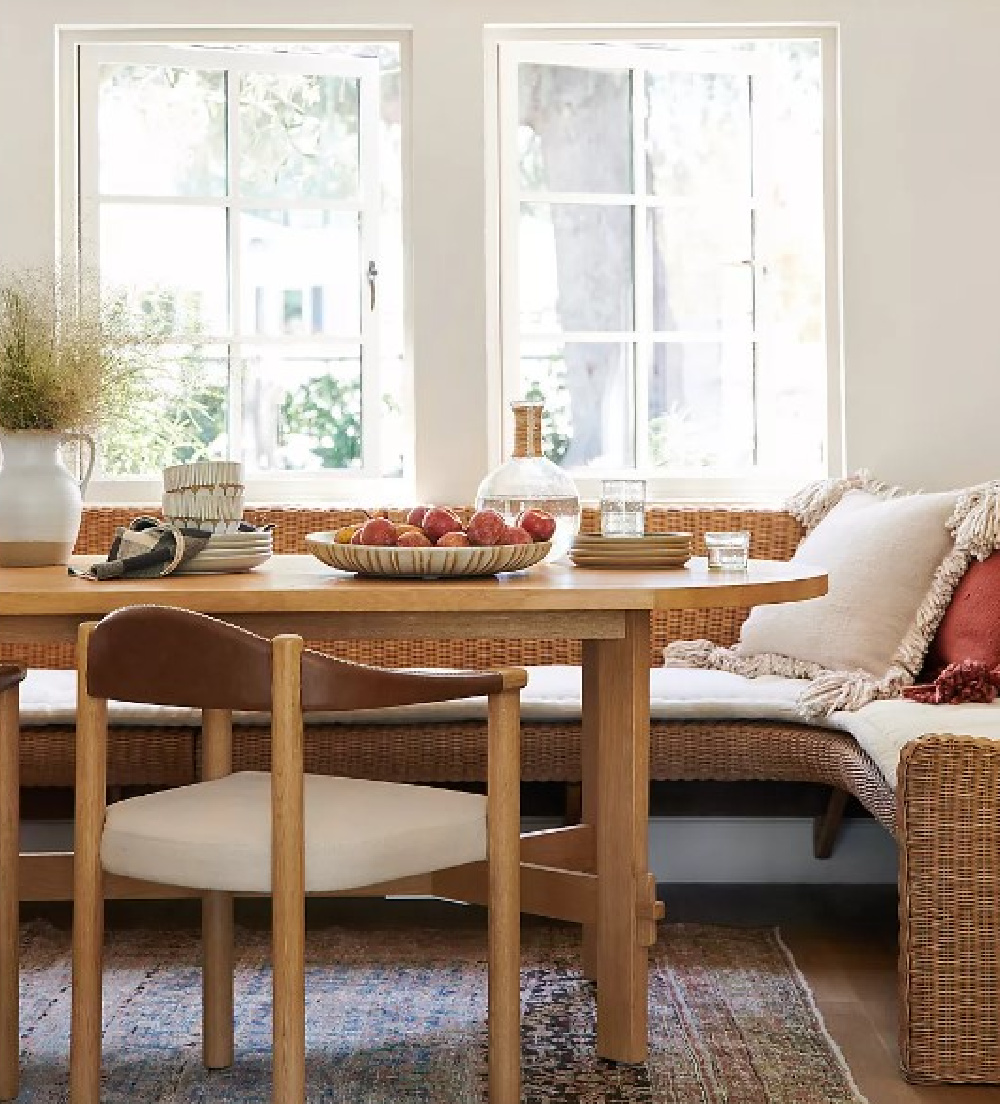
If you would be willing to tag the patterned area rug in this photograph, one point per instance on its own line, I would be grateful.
(399, 1015)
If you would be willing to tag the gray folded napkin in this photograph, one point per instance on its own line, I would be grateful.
(150, 548)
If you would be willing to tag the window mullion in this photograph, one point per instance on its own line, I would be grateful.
(371, 389)
(642, 266)
(237, 358)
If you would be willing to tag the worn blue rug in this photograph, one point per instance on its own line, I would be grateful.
(399, 1016)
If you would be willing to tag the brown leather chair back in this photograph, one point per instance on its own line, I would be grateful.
(165, 656)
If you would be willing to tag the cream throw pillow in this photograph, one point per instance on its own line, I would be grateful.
(881, 556)
(893, 562)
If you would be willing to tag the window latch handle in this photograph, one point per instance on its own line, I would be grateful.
(372, 277)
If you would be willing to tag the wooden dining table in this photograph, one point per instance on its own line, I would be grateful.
(595, 873)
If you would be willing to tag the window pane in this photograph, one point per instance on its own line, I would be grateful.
(698, 133)
(161, 131)
(791, 406)
(586, 388)
(394, 435)
(182, 417)
(299, 136)
(574, 133)
(702, 278)
(168, 263)
(302, 408)
(575, 267)
(300, 272)
(701, 405)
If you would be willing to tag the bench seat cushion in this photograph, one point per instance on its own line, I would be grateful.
(552, 694)
(884, 728)
(881, 728)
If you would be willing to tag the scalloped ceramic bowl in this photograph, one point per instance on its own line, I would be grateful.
(417, 563)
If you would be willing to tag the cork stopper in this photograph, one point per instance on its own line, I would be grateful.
(527, 428)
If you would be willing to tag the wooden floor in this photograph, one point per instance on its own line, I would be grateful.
(843, 939)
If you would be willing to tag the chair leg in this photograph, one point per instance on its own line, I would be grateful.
(217, 980)
(88, 887)
(88, 946)
(9, 896)
(217, 913)
(504, 900)
(288, 873)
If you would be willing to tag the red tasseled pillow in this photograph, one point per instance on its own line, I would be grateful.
(970, 628)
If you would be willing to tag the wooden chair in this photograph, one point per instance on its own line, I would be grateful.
(10, 677)
(282, 833)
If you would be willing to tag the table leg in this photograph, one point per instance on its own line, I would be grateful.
(590, 712)
(9, 895)
(616, 682)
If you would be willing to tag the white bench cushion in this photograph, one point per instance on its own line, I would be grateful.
(217, 835)
(882, 728)
(552, 694)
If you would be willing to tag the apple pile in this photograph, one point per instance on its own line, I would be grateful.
(437, 526)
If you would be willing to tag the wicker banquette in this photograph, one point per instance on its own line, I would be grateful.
(944, 813)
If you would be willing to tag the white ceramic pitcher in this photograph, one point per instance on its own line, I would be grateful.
(40, 501)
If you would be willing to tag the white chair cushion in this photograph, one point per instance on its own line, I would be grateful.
(552, 694)
(217, 835)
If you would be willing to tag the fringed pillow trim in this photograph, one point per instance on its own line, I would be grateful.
(810, 505)
(975, 525)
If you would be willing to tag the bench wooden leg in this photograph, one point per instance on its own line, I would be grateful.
(826, 827)
(573, 811)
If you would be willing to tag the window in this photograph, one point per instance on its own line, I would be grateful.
(245, 203)
(663, 253)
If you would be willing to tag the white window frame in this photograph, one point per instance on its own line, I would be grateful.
(82, 213)
(586, 46)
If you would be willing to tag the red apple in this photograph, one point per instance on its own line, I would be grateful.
(378, 532)
(416, 515)
(514, 534)
(454, 540)
(413, 538)
(438, 521)
(538, 524)
(356, 536)
(486, 527)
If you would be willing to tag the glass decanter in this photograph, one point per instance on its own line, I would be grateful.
(529, 479)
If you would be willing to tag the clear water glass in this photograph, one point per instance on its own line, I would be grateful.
(623, 507)
(728, 551)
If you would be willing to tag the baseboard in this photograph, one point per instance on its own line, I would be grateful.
(728, 850)
(773, 850)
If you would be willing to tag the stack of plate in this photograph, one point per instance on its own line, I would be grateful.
(231, 552)
(655, 550)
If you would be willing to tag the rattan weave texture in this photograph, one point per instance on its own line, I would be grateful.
(948, 809)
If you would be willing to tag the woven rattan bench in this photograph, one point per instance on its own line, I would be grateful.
(949, 836)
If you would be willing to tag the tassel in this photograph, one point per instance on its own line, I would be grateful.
(690, 653)
(847, 690)
(975, 524)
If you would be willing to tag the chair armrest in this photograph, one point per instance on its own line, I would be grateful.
(948, 828)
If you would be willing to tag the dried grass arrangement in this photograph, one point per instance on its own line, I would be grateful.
(62, 369)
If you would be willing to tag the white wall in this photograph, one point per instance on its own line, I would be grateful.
(920, 193)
